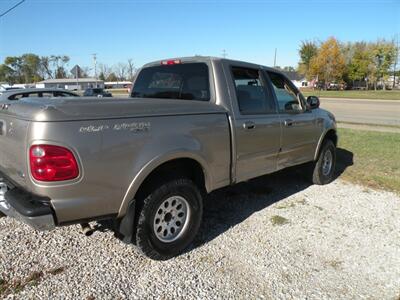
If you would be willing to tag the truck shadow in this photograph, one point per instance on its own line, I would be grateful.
(228, 207)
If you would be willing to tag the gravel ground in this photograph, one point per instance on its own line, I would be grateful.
(273, 238)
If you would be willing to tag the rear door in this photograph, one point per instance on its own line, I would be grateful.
(299, 133)
(256, 123)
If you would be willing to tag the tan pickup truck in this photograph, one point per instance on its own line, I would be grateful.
(144, 163)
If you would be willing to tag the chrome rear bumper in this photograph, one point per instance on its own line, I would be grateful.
(25, 207)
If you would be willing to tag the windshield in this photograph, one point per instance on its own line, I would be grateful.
(188, 81)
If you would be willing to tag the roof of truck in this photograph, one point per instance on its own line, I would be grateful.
(199, 58)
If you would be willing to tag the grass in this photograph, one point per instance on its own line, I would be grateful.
(381, 95)
(375, 157)
(16, 285)
(278, 220)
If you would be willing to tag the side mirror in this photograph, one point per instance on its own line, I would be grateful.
(313, 102)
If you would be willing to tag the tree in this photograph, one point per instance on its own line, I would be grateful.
(131, 69)
(45, 67)
(289, 69)
(105, 70)
(112, 77)
(59, 63)
(383, 57)
(358, 66)
(308, 50)
(120, 71)
(53, 66)
(6, 74)
(328, 65)
(26, 68)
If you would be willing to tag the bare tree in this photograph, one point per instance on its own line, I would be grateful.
(131, 69)
(120, 71)
(105, 69)
(85, 71)
(45, 67)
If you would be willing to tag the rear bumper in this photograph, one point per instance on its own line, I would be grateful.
(26, 207)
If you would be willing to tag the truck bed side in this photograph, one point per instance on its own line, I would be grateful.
(111, 154)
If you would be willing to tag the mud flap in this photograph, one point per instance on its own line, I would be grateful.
(125, 227)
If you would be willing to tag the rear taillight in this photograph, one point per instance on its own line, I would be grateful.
(52, 163)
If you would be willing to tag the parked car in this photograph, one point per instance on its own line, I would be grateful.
(3, 89)
(17, 94)
(96, 92)
(142, 165)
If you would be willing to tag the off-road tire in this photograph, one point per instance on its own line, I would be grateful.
(146, 239)
(318, 175)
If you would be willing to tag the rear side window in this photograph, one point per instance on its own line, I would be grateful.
(252, 95)
(188, 81)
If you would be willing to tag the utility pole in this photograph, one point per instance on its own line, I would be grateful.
(95, 66)
(275, 58)
(224, 54)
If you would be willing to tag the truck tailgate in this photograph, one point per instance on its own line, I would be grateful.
(13, 148)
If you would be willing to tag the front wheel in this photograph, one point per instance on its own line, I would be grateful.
(169, 219)
(324, 167)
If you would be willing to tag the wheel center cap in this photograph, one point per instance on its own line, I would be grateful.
(168, 217)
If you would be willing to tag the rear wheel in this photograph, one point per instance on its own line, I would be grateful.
(169, 218)
(324, 167)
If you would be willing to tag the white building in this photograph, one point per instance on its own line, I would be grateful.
(118, 84)
(71, 83)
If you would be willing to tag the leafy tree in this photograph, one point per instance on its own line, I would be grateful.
(358, 67)
(328, 65)
(308, 50)
(6, 74)
(383, 57)
(26, 68)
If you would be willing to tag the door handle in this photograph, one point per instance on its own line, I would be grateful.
(249, 125)
(289, 122)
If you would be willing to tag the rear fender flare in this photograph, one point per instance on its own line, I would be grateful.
(147, 169)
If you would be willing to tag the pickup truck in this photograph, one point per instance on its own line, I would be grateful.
(143, 164)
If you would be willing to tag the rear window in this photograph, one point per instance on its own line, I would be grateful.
(181, 81)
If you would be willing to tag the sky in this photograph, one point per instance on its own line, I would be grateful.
(145, 31)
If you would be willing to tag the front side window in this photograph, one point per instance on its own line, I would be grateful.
(188, 81)
(250, 92)
(286, 95)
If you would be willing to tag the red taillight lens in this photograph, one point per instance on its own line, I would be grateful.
(52, 163)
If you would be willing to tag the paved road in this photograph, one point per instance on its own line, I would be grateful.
(380, 112)
(363, 111)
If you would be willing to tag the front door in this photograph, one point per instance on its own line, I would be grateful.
(257, 124)
(299, 132)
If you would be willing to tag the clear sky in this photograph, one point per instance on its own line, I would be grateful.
(151, 30)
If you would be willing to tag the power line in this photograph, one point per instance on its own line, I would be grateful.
(10, 9)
